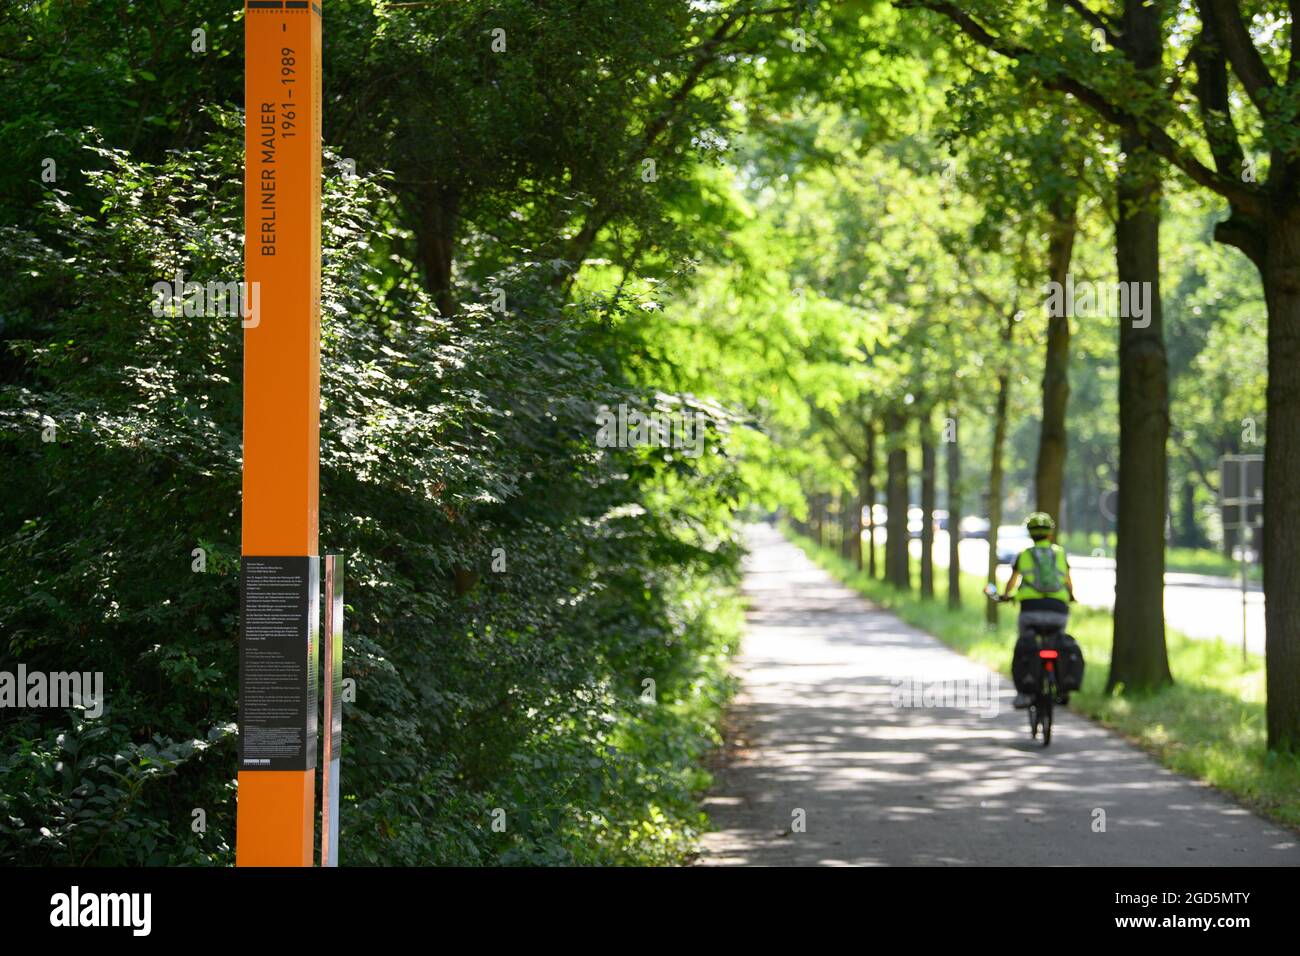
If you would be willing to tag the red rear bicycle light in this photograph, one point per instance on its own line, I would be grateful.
(1048, 655)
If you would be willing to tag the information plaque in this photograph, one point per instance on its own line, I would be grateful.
(279, 636)
(1241, 490)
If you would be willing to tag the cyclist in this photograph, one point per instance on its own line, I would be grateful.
(1040, 579)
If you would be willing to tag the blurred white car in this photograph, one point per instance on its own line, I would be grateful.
(973, 527)
(914, 519)
(881, 514)
(1012, 539)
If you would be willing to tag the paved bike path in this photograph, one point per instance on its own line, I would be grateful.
(880, 784)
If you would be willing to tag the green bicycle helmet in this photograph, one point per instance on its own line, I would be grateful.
(1039, 525)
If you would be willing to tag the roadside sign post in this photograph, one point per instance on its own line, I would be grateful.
(279, 576)
(1241, 504)
(1245, 540)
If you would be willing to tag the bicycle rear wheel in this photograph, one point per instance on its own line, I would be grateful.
(1046, 714)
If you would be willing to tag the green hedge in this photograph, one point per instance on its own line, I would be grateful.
(443, 439)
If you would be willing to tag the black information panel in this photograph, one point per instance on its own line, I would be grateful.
(279, 632)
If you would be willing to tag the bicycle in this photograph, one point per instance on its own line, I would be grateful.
(1045, 696)
(1046, 691)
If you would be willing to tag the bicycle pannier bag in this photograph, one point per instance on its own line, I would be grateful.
(1069, 666)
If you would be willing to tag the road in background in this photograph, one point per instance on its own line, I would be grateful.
(1202, 606)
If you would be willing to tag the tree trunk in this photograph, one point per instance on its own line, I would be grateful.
(1281, 530)
(856, 531)
(995, 480)
(1087, 507)
(954, 516)
(1191, 531)
(1049, 473)
(927, 507)
(869, 495)
(896, 557)
(832, 520)
(1139, 660)
(435, 241)
(846, 524)
(858, 526)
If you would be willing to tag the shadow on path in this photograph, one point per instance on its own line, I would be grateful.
(882, 784)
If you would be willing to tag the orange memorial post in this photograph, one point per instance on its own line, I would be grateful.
(279, 577)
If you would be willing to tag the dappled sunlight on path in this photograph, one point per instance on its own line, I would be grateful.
(881, 784)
